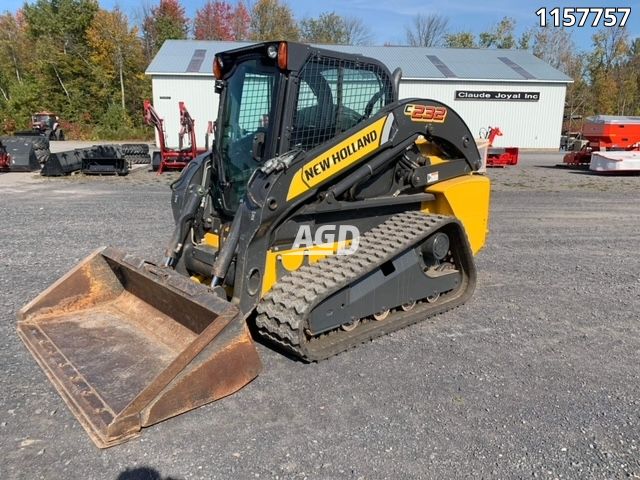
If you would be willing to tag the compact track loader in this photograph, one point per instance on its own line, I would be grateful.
(328, 213)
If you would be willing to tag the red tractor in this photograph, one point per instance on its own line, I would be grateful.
(498, 156)
(605, 133)
(47, 124)
(173, 158)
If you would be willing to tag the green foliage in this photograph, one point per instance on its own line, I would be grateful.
(116, 124)
(60, 20)
(72, 58)
(115, 118)
(613, 72)
(61, 67)
(272, 20)
(24, 101)
(500, 36)
(460, 40)
(333, 29)
(328, 28)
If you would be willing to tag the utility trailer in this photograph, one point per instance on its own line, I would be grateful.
(173, 158)
(499, 156)
(604, 133)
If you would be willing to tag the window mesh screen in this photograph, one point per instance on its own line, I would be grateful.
(255, 104)
(334, 96)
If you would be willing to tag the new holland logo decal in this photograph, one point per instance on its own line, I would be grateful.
(333, 161)
(425, 113)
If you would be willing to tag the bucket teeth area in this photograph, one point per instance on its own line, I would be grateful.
(128, 345)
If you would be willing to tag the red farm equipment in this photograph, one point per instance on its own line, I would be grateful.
(605, 133)
(499, 156)
(5, 159)
(173, 158)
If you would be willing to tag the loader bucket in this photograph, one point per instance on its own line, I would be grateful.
(22, 152)
(62, 163)
(128, 344)
(104, 160)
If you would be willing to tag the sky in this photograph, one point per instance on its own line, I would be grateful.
(387, 19)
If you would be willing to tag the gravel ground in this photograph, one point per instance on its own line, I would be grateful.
(537, 376)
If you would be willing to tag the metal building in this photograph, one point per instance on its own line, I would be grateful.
(511, 89)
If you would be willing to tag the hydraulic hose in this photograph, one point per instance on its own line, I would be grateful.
(183, 224)
(225, 255)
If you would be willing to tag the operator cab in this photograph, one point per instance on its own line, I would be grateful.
(44, 120)
(281, 96)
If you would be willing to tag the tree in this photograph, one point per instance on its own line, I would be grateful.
(163, 22)
(634, 70)
(214, 21)
(460, 40)
(19, 92)
(357, 33)
(524, 42)
(555, 46)
(613, 85)
(610, 47)
(328, 28)
(61, 67)
(218, 20)
(115, 50)
(427, 31)
(241, 22)
(63, 20)
(70, 57)
(14, 51)
(501, 35)
(272, 20)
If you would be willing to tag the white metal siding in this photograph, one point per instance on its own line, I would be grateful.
(197, 92)
(523, 124)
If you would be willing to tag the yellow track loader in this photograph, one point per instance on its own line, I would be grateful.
(328, 213)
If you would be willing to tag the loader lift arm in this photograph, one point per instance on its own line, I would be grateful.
(153, 119)
(172, 158)
(187, 127)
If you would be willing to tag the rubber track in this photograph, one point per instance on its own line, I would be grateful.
(282, 313)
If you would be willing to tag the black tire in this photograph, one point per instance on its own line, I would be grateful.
(41, 149)
(155, 161)
(40, 143)
(42, 156)
(135, 149)
(140, 159)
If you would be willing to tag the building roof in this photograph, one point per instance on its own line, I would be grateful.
(195, 57)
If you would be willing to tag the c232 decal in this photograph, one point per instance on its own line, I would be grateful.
(425, 113)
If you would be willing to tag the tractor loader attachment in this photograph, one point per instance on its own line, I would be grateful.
(24, 153)
(62, 163)
(128, 344)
